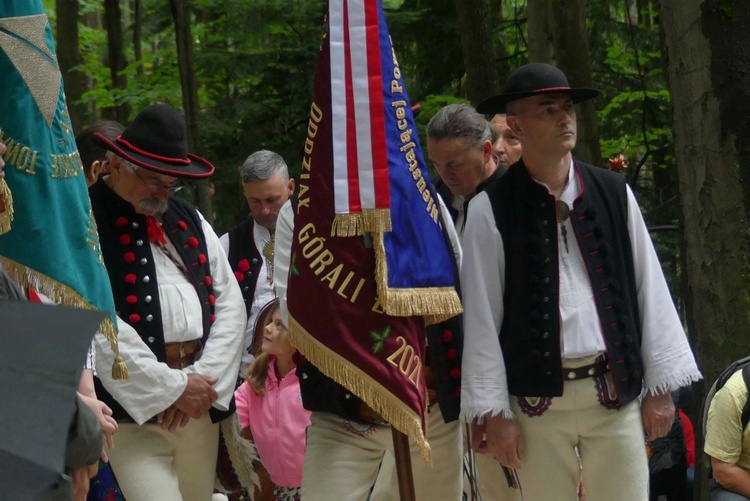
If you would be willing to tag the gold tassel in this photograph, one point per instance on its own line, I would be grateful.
(6, 203)
(61, 294)
(395, 412)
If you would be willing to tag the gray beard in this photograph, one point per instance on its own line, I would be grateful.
(153, 206)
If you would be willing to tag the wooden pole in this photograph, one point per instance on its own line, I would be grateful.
(403, 466)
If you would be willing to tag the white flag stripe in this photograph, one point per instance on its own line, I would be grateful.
(361, 93)
(338, 106)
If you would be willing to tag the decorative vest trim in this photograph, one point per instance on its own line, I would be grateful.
(245, 260)
(132, 273)
(525, 214)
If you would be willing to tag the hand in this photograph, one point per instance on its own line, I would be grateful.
(104, 414)
(657, 412)
(81, 477)
(171, 418)
(505, 441)
(198, 396)
(478, 439)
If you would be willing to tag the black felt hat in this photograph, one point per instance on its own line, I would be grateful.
(531, 80)
(157, 140)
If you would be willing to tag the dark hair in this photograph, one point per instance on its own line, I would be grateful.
(90, 151)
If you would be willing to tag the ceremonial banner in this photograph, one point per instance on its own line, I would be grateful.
(369, 260)
(49, 241)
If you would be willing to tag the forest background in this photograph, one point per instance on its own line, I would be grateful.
(674, 76)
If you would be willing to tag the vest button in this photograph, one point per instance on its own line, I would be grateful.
(546, 316)
(135, 224)
(144, 261)
(544, 222)
(255, 260)
(545, 335)
(304, 375)
(548, 373)
(147, 299)
(546, 280)
(139, 242)
(546, 354)
(149, 318)
(151, 339)
(546, 299)
(146, 279)
(547, 260)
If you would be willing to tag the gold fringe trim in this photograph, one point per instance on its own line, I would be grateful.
(6, 217)
(346, 225)
(367, 221)
(64, 295)
(394, 411)
(436, 304)
(376, 220)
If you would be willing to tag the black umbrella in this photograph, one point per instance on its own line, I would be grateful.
(42, 351)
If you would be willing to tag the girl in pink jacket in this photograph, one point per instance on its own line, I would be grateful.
(269, 405)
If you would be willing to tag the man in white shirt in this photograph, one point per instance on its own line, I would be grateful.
(180, 313)
(250, 245)
(568, 318)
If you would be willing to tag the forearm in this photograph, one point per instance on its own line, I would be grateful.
(732, 477)
(151, 386)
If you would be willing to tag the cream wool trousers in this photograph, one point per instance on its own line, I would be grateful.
(154, 464)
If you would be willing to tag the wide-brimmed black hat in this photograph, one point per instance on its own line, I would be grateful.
(157, 140)
(531, 80)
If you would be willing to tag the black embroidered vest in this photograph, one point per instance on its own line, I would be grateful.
(245, 260)
(525, 214)
(132, 273)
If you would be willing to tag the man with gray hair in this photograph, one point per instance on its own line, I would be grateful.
(459, 145)
(250, 245)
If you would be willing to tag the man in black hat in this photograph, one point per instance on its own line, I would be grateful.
(181, 312)
(568, 317)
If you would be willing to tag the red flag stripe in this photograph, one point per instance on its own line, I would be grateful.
(377, 121)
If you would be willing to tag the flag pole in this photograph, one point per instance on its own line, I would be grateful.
(403, 466)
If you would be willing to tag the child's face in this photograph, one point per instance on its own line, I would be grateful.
(276, 337)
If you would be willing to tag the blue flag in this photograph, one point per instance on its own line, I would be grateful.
(49, 242)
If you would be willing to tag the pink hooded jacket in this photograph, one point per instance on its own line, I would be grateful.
(278, 422)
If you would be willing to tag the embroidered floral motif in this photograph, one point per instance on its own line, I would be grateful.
(360, 429)
(534, 406)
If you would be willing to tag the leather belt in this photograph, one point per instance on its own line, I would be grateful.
(599, 367)
(181, 355)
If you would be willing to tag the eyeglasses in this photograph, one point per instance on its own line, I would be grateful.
(171, 188)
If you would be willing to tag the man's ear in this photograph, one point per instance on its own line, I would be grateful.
(487, 150)
(290, 185)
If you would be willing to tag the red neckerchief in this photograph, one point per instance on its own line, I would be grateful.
(155, 231)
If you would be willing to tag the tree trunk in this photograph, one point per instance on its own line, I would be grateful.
(69, 57)
(558, 35)
(117, 62)
(477, 49)
(181, 16)
(541, 33)
(708, 46)
(137, 35)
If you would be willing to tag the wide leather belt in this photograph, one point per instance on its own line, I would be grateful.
(181, 355)
(599, 367)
